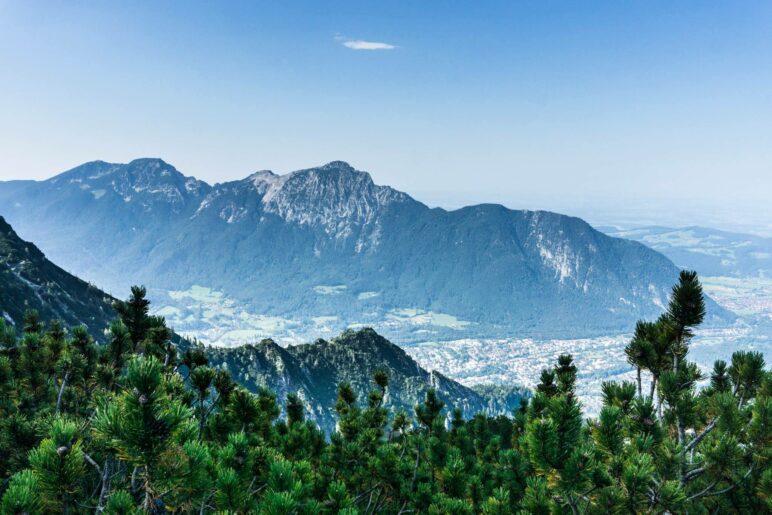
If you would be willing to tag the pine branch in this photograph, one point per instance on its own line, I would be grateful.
(703, 492)
(106, 483)
(693, 473)
(368, 491)
(707, 493)
(712, 424)
(653, 386)
(701, 436)
(415, 470)
(93, 463)
(638, 377)
(61, 392)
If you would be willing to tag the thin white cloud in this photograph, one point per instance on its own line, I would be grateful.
(358, 44)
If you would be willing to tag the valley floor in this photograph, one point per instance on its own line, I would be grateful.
(519, 361)
(217, 320)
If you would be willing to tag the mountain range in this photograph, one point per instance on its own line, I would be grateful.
(327, 243)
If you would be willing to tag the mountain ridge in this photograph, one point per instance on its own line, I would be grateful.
(314, 371)
(329, 242)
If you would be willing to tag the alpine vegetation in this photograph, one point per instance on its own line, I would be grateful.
(141, 425)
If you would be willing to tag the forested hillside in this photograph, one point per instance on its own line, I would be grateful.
(138, 426)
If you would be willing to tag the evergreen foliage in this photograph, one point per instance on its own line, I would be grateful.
(137, 426)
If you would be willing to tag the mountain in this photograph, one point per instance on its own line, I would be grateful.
(329, 244)
(30, 281)
(315, 370)
(711, 251)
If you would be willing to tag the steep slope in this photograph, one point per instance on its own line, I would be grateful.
(29, 281)
(328, 242)
(315, 371)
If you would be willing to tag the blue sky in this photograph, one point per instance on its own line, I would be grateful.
(533, 104)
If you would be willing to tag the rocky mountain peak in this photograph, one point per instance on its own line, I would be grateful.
(159, 178)
(335, 196)
(151, 167)
(338, 165)
(267, 183)
(146, 180)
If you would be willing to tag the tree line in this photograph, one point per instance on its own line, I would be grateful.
(140, 425)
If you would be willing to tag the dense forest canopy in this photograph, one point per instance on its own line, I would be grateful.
(139, 425)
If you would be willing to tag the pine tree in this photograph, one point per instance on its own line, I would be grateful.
(23, 495)
(119, 344)
(686, 310)
(565, 372)
(144, 426)
(296, 412)
(640, 350)
(32, 322)
(59, 465)
(134, 314)
(547, 383)
(201, 380)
